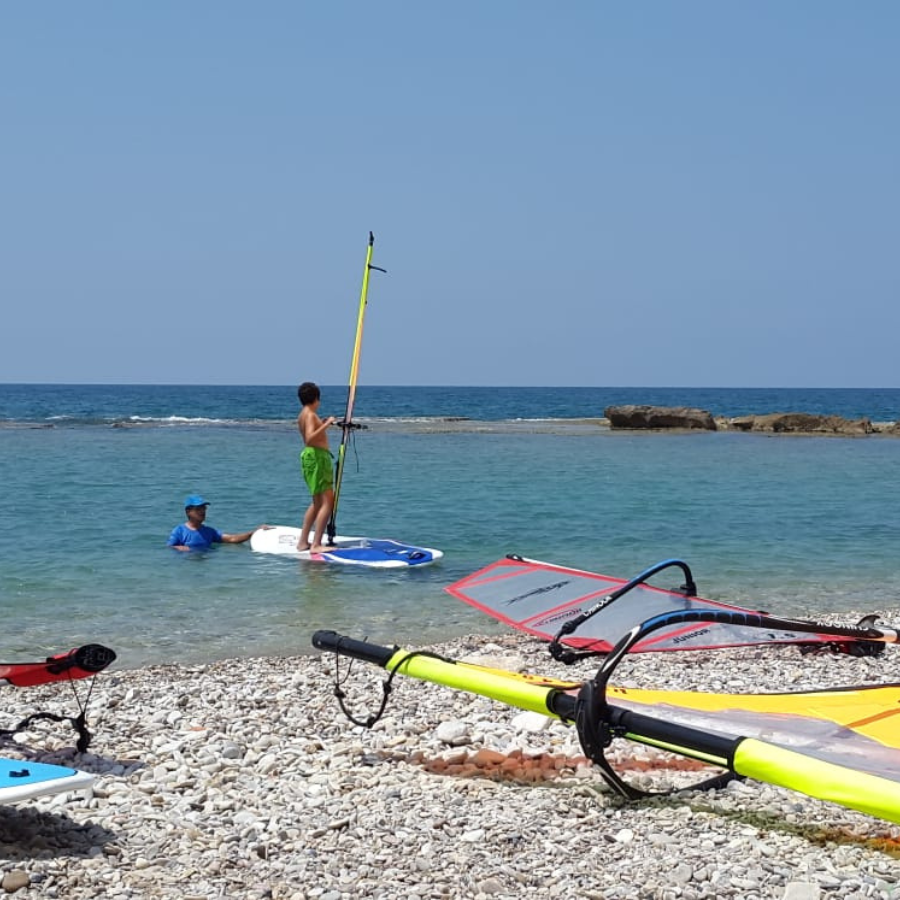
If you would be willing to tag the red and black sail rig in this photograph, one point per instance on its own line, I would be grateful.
(581, 613)
(81, 662)
(866, 779)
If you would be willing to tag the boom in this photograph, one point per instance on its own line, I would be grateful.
(860, 769)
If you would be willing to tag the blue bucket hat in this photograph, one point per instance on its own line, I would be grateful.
(195, 500)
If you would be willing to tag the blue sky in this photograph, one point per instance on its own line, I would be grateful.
(574, 193)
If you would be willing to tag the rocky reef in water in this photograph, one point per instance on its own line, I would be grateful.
(636, 417)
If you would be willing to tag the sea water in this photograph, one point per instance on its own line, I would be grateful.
(94, 477)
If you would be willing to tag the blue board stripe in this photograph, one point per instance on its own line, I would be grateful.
(18, 772)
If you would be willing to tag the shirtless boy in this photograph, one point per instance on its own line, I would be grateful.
(316, 462)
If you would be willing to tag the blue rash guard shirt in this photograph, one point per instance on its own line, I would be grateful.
(201, 539)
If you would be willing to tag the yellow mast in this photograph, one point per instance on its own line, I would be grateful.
(347, 425)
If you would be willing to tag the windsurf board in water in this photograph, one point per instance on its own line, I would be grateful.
(376, 553)
(21, 779)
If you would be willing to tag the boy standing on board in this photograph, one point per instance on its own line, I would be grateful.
(316, 462)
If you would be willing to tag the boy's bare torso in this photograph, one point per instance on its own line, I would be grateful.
(310, 427)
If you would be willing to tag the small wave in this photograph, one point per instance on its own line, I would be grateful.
(193, 422)
(178, 420)
(136, 421)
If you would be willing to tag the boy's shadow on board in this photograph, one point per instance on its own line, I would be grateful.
(27, 832)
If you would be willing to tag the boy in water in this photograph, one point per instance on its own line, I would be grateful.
(316, 462)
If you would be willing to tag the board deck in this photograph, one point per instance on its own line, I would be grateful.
(21, 779)
(376, 553)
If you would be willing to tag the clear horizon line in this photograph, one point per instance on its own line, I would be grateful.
(580, 387)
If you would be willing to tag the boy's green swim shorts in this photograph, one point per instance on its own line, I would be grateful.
(316, 463)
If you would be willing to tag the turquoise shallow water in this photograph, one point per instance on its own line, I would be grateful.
(789, 524)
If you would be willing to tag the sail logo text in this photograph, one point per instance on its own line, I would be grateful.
(537, 591)
(681, 638)
(555, 618)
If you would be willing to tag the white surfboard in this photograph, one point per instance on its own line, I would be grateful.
(376, 553)
(21, 779)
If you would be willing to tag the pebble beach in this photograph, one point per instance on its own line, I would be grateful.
(243, 778)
